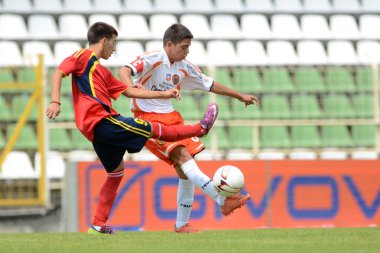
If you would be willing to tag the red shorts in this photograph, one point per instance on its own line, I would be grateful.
(162, 149)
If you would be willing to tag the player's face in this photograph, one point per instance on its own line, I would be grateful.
(179, 51)
(109, 47)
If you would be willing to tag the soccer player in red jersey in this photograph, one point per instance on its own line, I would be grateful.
(111, 134)
(164, 69)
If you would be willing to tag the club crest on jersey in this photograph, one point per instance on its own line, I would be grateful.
(175, 79)
(160, 142)
(168, 77)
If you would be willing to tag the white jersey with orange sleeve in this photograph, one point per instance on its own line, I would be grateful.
(155, 72)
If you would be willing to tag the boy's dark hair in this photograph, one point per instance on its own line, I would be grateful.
(100, 30)
(177, 33)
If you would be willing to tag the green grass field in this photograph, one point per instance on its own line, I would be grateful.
(331, 240)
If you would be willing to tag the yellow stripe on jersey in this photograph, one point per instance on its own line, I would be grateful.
(90, 77)
(129, 127)
(77, 54)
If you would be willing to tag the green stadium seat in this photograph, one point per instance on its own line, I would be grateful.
(240, 111)
(5, 114)
(6, 76)
(364, 76)
(2, 141)
(27, 75)
(305, 137)
(241, 137)
(188, 107)
(308, 79)
(18, 106)
(305, 107)
(60, 140)
(222, 138)
(122, 106)
(339, 79)
(67, 110)
(363, 106)
(66, 85)
(247, 80)
(336, 136)
(337, 106)
(27, 139)
(274, 137)
(364, 135)
(275, 107)
(81, 142)
(223, 76)
(277, 80)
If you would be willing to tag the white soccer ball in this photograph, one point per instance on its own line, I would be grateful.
(228, 180)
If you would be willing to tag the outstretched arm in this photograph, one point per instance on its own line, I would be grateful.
(133, 92)
(54, 107)
(221, 89)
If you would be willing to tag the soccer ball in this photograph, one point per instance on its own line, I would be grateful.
(228, 180)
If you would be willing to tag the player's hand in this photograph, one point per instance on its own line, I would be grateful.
(137, 86)
(53, 110)
(249, 99)
(172, 93)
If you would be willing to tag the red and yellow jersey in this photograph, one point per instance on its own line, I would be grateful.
(93, 86)
(155, 72)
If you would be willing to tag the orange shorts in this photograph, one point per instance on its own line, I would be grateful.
(162, 149)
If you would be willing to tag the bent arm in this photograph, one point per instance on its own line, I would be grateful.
(125, 75)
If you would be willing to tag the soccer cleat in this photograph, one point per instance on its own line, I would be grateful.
(209, 118)
(186, 229)
(234, 202)
(104, 230)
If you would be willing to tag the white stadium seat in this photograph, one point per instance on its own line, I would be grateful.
(73, 26)
(288, 6)
(159, 23)
(320, 6)
(369, 26)
(260, 28)
(10, 54)
(341, 53)
(199, 6)
(342, 6)
(168, 6)
(197, 24)
(371, 5)
(55, 165)
(47, 6)
(17, 165)
(281, 53)
(259, 6)
(75, 6)
(19, 6)
(285, 26)
(251, 53)
(225, 26)
(139, 29)
(13, 26)
(197, 54)
(31, 50)
(140, 6)
(311, 52)
(109, 6)
(107, 18)
(63, 49)
(127, 51)
(221, 53)
(368, 52)
(344, 27)
(153, 45)
(315, 27)
(228, 6)
(43, 26)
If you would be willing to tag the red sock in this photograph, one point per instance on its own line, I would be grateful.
(177, 132)
(107, 196)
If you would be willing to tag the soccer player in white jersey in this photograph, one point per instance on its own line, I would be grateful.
(162, 70)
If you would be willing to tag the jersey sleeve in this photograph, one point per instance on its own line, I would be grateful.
(74, 64)
(115, 86)
(144, 62)
(195, 79)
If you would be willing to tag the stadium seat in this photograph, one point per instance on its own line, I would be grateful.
(341, 53)
(224, 107)
(305, 107)
(288, 6)
(15, 31)
(364, 135)
(302, 154)
(188, 107)
(247, 80)
(221, 53)
(333, 154)
(241, 137)
(274, 137)
(368, 52)
(20, 6)
(285, 27)
(59, 140)
(47, 6)
(27, 139)
(261, 30)
(31, 50)
(141, 6)
(363, 106)
(73, 26)
(47, 31)
(346, 6)
(81, 142)
(337, 106)
(281, 52)
(222, 75)
(107, 18)
(315, 27)
(159, 23)
(63, 49)
(6, 76)
(109, 6)
(140, 29)
(153, 45)
(198, 25)
(55, 165)
(222, 139)
(364, 79)
(371, 5)
(199, 6)
(336, 137)
(277, 80)
(251, 53)
(26, 75)
(320, 6)
(305, 137)
(224, 26)
(275, 107)
(241, 112)
(18, 106)
(369, 26)
(67, 110)
(168, 6)
(197, 54)
(227, 6)
(2, 139)
(74, 6)
(259, 6)
(311, 52)
(308, 79)
(17, 165)
(5, 114)
(10, 54)
(344, 27)
(128, 51)
(339, 79)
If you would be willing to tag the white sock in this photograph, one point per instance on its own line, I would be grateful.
(97, 228)
(202, 181)
(185, 199)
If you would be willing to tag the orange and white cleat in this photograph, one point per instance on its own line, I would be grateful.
(186, 229)
(234, 202)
